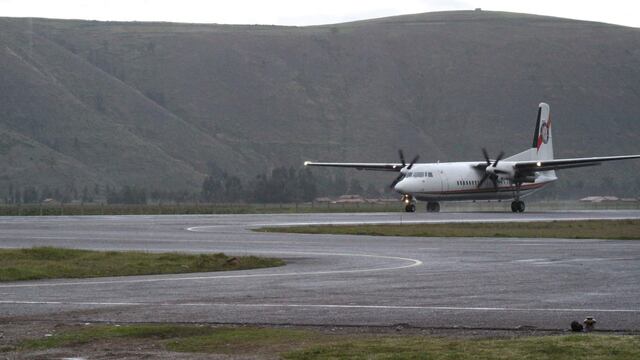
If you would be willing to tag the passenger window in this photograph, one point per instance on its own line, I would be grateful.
(430, 174)
(418, 174)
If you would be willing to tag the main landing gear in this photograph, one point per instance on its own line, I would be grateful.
(517, 205)
(410, 207)
(433, 207)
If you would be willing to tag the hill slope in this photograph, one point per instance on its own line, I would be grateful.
(158, 104)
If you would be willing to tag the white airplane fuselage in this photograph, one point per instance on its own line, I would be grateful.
(459, 181)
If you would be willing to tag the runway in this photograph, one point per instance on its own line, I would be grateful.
(337, 280)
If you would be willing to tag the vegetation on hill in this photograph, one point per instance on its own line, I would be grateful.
(155, 106)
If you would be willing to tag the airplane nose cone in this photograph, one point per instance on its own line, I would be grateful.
(401, 187)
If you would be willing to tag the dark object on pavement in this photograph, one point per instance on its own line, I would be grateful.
(576, 326)
(589, 324)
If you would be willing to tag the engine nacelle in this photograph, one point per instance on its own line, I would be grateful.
(504, 169)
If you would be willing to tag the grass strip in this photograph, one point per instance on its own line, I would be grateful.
(587, 229)
(53, 263)
(309, 344)
(89, 334)
(415, 347)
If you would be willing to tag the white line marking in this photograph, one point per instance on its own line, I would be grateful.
(320, 306)
(401, 222)
(413, 263)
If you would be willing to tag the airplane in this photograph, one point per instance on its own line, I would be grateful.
(511, 178)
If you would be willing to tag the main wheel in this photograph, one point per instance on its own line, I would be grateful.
(433, 207)
(520, 206)
(410, 208)
(517, 206)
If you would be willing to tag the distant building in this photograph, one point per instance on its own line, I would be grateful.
(349, 199)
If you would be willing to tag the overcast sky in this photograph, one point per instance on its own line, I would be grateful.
(300, 12)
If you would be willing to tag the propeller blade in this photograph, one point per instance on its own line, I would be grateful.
(494, 179)
(402, 158)
(413, 162)
(484, 178)
(486, 156)
(397, 180)
(498, 158)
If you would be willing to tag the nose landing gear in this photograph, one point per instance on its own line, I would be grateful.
(409, 203)
(411, 207)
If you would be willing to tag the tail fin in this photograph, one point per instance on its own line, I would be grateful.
(542, 147)
(542, 139)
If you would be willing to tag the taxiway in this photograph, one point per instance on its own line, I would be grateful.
(337, 280)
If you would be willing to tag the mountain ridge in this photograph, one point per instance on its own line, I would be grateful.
(158, 105)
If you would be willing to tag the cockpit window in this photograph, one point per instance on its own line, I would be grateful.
(409, 174)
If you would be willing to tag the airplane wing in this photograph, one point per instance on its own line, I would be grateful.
(359, 166)
(557, 164)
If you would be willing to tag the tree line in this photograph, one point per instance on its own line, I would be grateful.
(281, 185)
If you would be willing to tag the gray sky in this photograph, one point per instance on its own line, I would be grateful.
(300, 12)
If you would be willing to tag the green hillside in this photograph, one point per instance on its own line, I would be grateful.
(157, 105)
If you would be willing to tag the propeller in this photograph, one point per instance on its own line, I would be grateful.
(404, 165)
(493, 174)
(402, 157)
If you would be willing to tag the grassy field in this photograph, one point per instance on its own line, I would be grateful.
(591, 229)
(289, 343)
(53, 263)
(209, 208)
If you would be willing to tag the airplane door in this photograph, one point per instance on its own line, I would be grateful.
(444, 184)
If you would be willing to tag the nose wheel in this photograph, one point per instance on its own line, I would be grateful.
(409, 203)
(517, 206)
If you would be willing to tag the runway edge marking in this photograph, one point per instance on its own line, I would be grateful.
(321, 306)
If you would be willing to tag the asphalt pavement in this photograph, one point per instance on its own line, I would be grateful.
(336, 280)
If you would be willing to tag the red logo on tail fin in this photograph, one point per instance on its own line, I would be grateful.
(543, 138)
